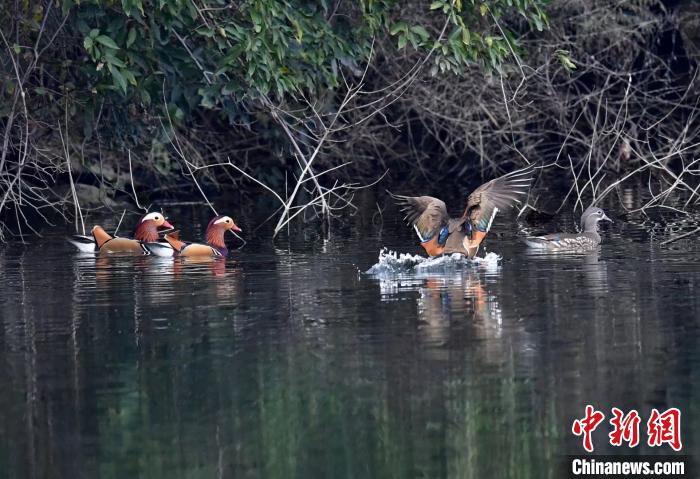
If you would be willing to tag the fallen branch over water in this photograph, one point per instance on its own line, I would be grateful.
(680, 237)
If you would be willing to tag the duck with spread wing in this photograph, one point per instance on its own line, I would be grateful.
(440, 234)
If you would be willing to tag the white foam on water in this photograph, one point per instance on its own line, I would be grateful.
(392, 263)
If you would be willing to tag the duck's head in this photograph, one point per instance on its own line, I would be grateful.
(149, 225)
(591, 217)
(216, 229)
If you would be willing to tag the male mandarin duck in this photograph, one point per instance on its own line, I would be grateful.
(215, 241)
(440, 234)
(587, 239)
(146, 231)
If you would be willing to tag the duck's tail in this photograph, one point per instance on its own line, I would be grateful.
(537, 242)
(85, 244)
(100, 235)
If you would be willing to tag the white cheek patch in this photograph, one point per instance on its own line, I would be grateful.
(223, 220)
(150, 216)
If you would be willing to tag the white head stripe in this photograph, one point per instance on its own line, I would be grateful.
(150, 216)
(223, 219)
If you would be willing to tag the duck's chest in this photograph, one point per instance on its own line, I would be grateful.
(433, 247)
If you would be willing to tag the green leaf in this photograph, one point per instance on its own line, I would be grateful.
(231, 57)
(538, 23)
(129, 5)
(114, 60)
(145, 97)
(129, 75)
(403, 39)
(563, 56)
(93, 33)
(87, 43)
(422, 32)
(139, 5)
(16, 48)
(117, 77)
(106, 41)
(483, 8)
(436, 5)
(466, 36)
(208, 97)
(398, 27)
(131, 38)
(66, 6)
(206, 32)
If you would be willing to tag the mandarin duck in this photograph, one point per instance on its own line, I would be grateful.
(146, 230)
(215, 245)
(440, 234)
(587, 239)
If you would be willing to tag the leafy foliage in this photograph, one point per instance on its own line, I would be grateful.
(228, 55)
(111, 73)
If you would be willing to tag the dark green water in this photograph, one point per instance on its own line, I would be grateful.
(285, 361)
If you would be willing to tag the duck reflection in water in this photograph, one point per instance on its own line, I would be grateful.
(220, 276)
(159, 280)
(461, 301)
(594, 270)
(457, 300)
(215, 266)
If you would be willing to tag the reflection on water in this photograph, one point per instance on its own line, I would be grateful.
(443, 301)
(594, 269)
(286, 361)
(452, 292)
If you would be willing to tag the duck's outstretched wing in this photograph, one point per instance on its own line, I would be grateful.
(426, 214)
(497, 195)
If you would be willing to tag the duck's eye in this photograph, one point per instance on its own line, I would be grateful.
(228, 221)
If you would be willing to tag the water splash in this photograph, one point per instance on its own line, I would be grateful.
(392, 263)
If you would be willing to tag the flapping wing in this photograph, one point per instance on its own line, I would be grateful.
(497, 195)
(426, 214)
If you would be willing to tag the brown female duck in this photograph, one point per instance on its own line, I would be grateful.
(587, 239)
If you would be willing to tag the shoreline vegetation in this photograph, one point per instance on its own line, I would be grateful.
(306, 103)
